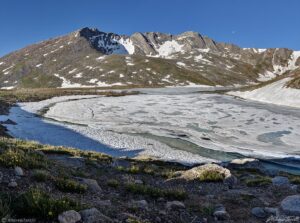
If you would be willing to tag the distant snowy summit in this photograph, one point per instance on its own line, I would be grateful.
(92, 58)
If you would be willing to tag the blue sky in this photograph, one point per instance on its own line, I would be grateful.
(248, 23)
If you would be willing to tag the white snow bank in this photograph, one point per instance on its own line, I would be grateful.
(275, 93)
(168, 48)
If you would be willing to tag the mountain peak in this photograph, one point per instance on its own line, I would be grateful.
(160, 59)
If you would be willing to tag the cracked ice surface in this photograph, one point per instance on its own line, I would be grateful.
(217, 122)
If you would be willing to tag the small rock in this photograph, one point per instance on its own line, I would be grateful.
(19, 171)
(93, 215)
(92, 184)
(9, 122)
(69, 217)
(142, 204)
(280, 181)
(161, 199)
(162, 212)
(258, 212)
(291, 205)
(12, 184)
(138, 182)
(157, 219)
(210, 196)
(294, 187)
(220, 213)
(175, 205)
(103, 203)
(271, 211)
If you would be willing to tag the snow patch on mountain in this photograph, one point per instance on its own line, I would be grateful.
(275, 93)
(266, 76)
(279, 69)
(168, 48)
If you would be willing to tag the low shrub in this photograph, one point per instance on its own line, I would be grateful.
(207, 210)
(5, 205)
(40, 175)
(68, 185)
(155, 192)
(258, 181)
(211, 176)
(25, 159)
(38, 204)
(113, 183)
(295, 179)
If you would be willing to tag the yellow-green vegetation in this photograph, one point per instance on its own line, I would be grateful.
(30, 149)
(26, 95)
(23, 158)
(40, 175)
(132, 220)
(5, 203)
(113, 183)
(211, 176)
(294, 179)
(89, 155)
(151, 169)
(68, 185)
(156, 192)
(36, 203)
(258, 181)
(207, 210)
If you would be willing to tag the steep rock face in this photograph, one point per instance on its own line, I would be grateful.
(92, 58)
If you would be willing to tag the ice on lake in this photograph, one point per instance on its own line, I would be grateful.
(187, 127)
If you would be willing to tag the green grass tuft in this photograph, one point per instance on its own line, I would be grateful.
(68, 185)
(155, 192)
(258, 181)
(38, 204)
(113, 183)
(26, 159)
(40, 175)
(211, 176)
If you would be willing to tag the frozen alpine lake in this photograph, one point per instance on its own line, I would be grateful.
(177, 125)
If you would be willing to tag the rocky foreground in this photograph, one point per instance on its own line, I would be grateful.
(43, 183)
(66, 185)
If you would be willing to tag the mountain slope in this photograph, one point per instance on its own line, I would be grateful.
(91, 58)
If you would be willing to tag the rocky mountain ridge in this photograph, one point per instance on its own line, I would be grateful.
(92, 58)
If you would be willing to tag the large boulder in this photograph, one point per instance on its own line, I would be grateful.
(209, 172)
(92, 185)
(280, 181)
(291, 205)
(69, 217)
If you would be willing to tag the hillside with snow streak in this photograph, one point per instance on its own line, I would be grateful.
(275, 93)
